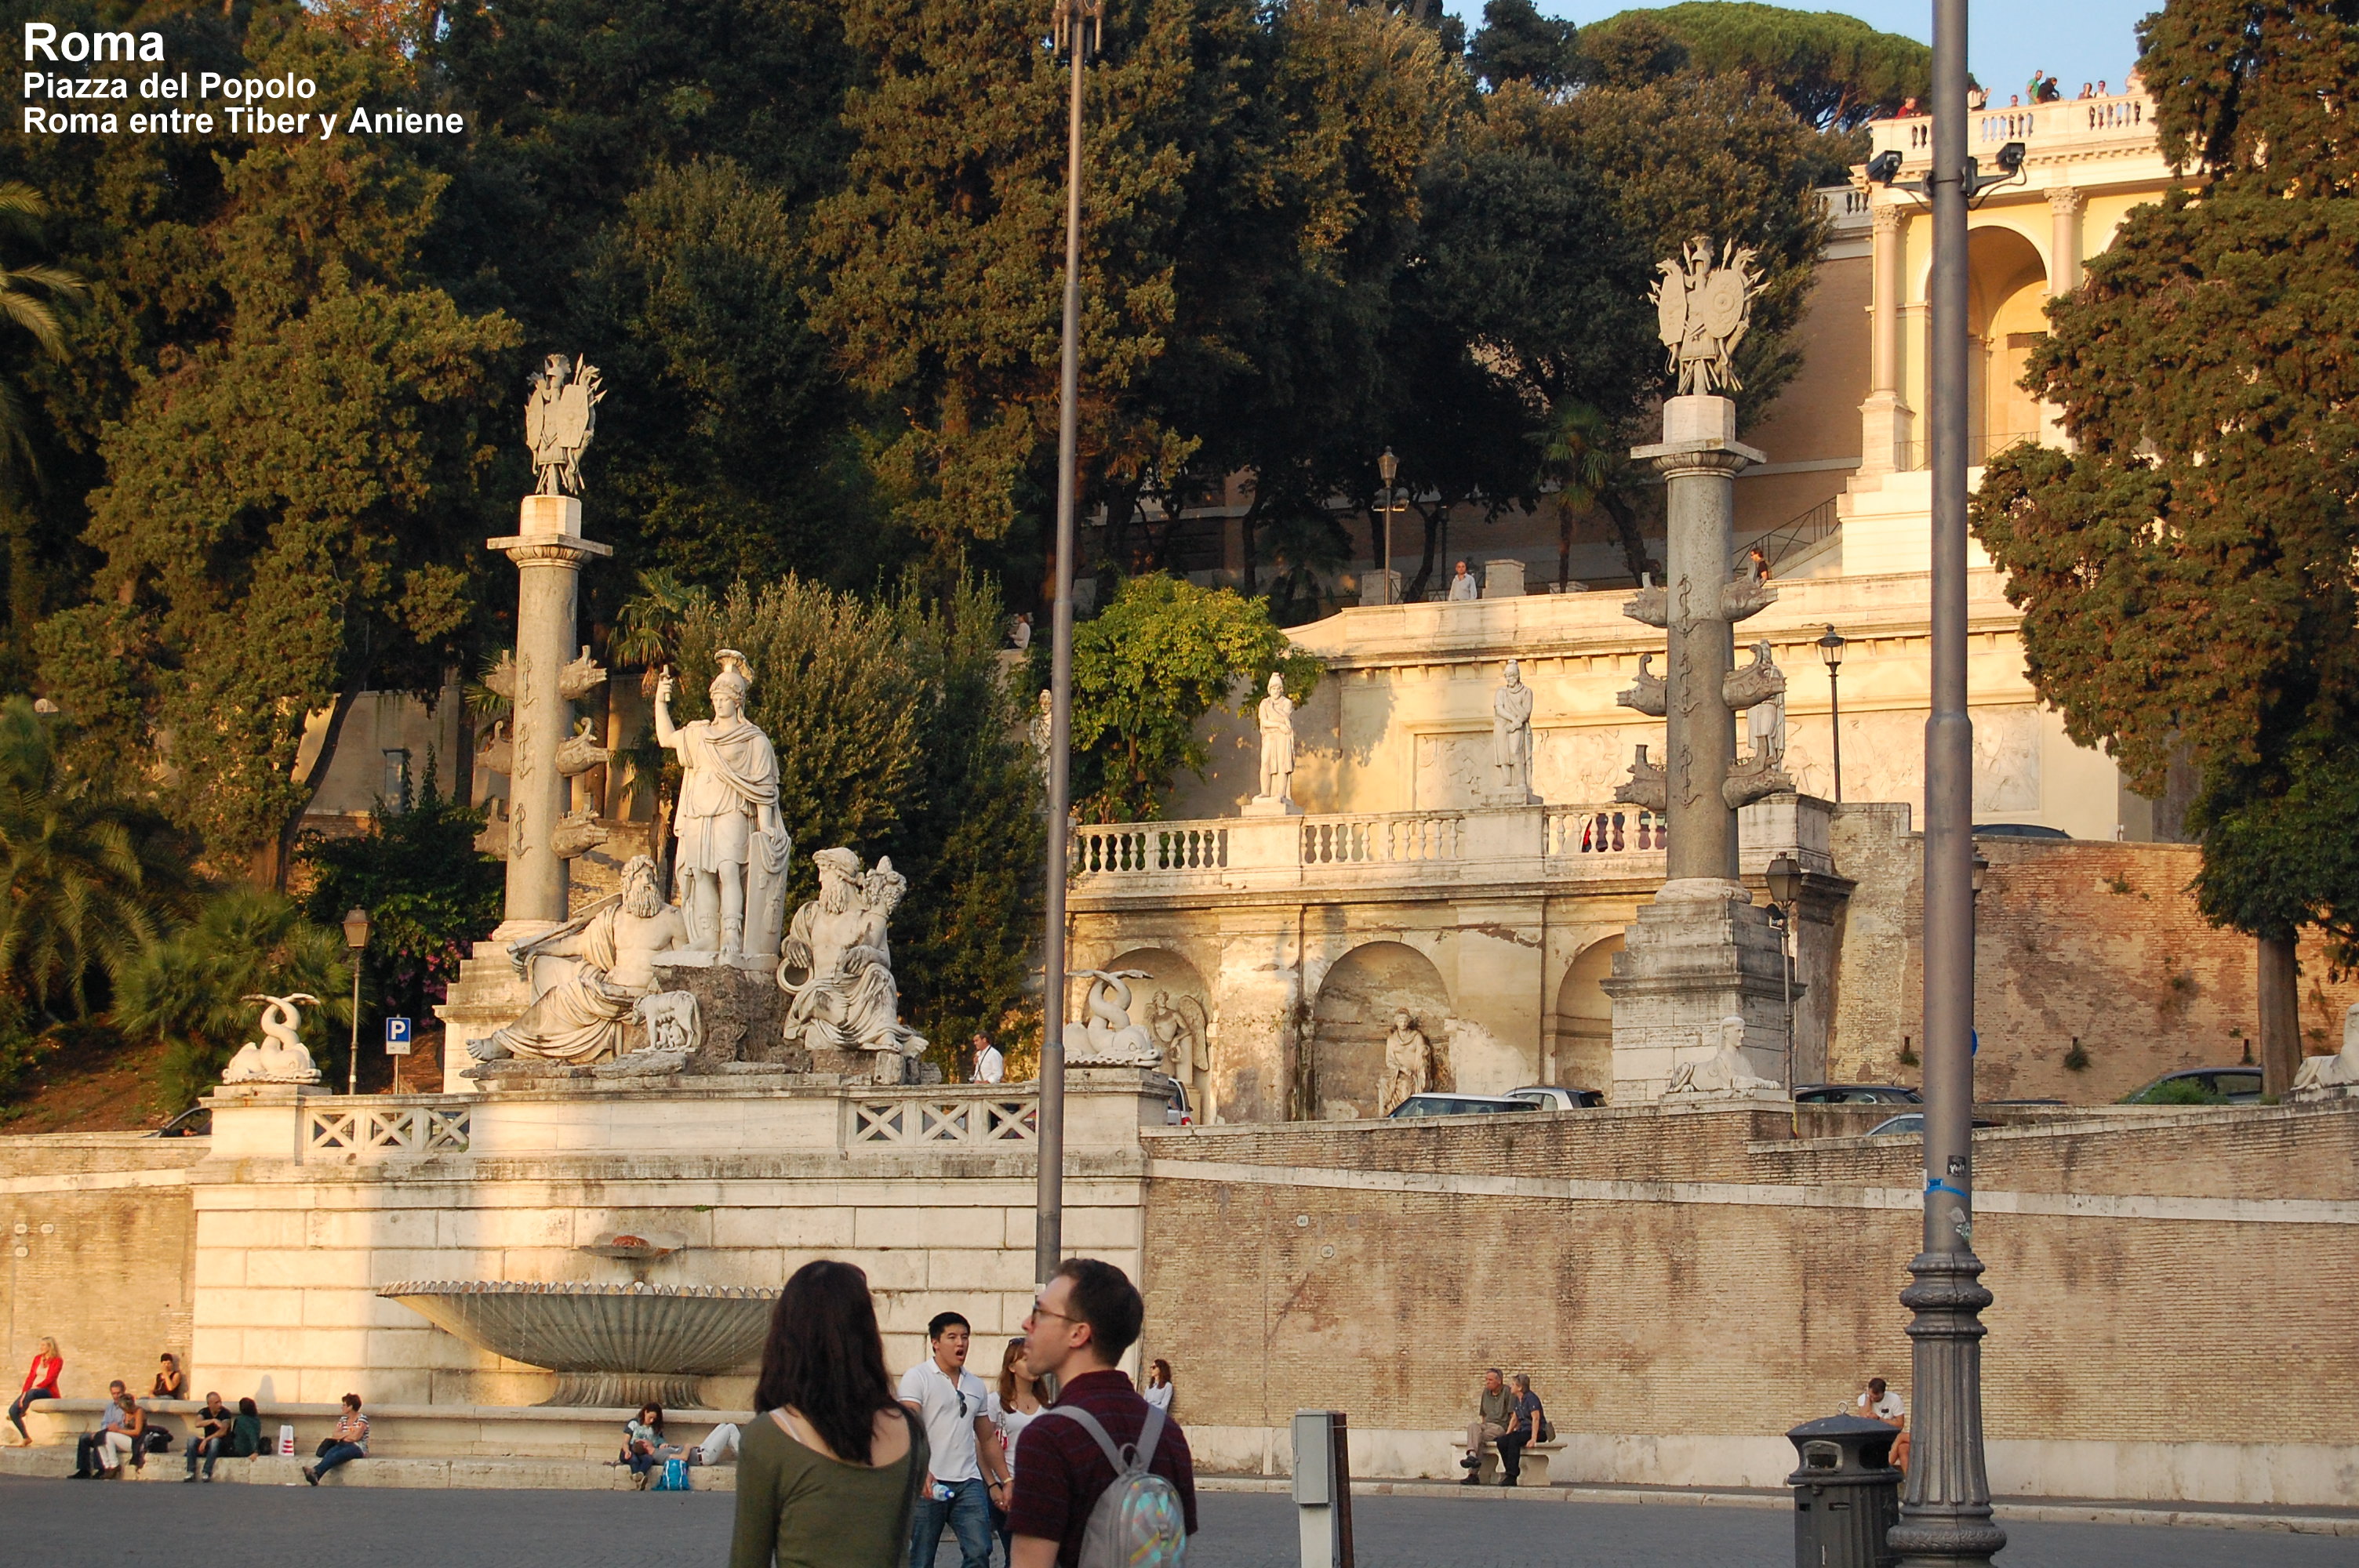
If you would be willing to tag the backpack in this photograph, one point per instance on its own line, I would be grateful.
(1137, 1522)
(674, 1477)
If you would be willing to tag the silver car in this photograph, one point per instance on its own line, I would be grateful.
(1461, 1104)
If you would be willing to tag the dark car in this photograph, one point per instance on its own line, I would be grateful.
(1460, 1105)
(2202, 1086)
(1857, 1094)
(1547, 1097)
(1913, 1124)
(196, 1121)
(2018, 830)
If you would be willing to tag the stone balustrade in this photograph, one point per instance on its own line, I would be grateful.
(2073, 124)
(1365, 852)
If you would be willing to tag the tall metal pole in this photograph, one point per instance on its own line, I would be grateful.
(1945, 1510)
(1834, 716)
(1074, 19)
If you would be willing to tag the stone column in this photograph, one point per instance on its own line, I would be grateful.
(1702, 952)
(1699, 458)
(1885, 419)
(549, 552)
(2064, 205)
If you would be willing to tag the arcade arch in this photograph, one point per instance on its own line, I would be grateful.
(1585, 1018)
(2006, 298)
(1350, 1017)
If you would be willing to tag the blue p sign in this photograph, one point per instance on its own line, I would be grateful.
(396, 1037)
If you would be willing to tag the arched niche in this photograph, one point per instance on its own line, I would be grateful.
(2006, 298)
(1172, 1001)
(1353, 1014)
(1585, 1018)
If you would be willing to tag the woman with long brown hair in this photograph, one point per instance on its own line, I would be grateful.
(1015, 1400)
(828, 1474)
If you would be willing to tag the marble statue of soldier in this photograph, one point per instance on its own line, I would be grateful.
(1277, 716)
(1511, 733)
(733, 845)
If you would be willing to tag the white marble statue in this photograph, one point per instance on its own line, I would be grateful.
(1725, 1072)
(1108, 1037)
(733, 846)
(836, 966)
(1765, 725)
(1182, 1031)
(282, 1059)
(1511, 735)
(1702, 311)
(1408, 1063)
(592, 977)
(1043, 730)
(1277, 716)
(2327, 1077)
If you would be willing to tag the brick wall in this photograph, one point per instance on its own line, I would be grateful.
(1306, 1270)
(99, 1255)
(2098, 942)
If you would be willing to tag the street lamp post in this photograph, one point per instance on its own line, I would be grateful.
(1395, 503)
(1078, 23)
(1945, 1509)
(1785, 879)
(1830, 650)
(356, 935)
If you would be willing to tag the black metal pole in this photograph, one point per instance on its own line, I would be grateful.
(1945, 1510)
(1834, 719)
(1049, 1223)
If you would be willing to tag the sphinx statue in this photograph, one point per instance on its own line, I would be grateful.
(836, 967)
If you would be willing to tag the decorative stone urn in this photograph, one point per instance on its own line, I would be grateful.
(609, 1346)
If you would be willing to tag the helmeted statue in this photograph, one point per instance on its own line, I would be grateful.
(836, 965)
(561, 415)
(1702, 311)
(732, 846)
(583, 1012)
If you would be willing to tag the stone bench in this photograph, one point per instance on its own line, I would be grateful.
(1534, 1469)
(406, 1471)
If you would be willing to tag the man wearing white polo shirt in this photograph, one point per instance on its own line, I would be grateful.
(968, 1474)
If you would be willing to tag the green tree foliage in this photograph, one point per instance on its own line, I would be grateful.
(291, 512)
(91, 879)
(429, 893)
(189, 992)
(2185, 571)
(897, 735)
(1515, 43)
(1162, 655)
(1835, 72)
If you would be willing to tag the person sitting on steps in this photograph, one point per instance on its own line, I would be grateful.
(211, 1437)
(350, 1442)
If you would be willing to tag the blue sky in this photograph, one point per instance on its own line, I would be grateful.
(2078, 40)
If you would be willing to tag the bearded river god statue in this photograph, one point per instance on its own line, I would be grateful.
(592, 978)
(733, 846)
(836, 967)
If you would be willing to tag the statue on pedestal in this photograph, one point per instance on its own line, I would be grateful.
(1108, 1038)
(1723, 1074)
(1511, 736)
(585, 1012)
(1702, 312)
(836, 965)
(561, 415)
(733, 846)
(1408, 1063)
(1276, 714)
(284, 1060)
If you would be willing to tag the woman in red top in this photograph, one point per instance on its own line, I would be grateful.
(40, 1383)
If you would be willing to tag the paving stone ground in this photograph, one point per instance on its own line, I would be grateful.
(76, 1524)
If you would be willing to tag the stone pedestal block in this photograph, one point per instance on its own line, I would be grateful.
(487, 997)
(741, 1008)
(1502, 579)
(1701, 952)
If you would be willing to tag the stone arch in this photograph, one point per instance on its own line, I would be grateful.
(1585, 1018)
(1176, 980)
(1352, 1015)
(2006, 294)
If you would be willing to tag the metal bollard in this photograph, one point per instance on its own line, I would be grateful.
(1323, 1487)
(1846, 1495)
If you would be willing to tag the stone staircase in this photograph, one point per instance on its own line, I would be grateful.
(56, 1460)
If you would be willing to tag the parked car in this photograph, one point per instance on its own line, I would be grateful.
(1547, 1097)
(196, 1121)
(1857, 1094)
(1913, 1124)
(2202, 1086)
(1461, 1104)
(2018, 830)
(1177, 1111)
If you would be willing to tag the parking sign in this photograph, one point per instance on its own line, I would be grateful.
(396, 1037)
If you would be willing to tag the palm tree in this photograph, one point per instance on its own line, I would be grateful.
(22, 301)
(1582, 450)
(93, 879)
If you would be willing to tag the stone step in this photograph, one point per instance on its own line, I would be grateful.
(409, 1470)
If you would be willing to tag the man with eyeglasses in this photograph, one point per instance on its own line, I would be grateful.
(967, 1472)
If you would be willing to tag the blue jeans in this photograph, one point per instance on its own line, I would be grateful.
(342, 1454)
(968, 1513)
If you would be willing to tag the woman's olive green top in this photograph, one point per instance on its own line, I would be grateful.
(810, 1511)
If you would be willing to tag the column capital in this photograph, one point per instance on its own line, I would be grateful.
(1885, 218)
(541, 550)
(1673, 458)
(2066, 201)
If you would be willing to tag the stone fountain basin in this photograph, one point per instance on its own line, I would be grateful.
(610, 1344)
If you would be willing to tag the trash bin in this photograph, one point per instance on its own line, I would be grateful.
(1846, 1495)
